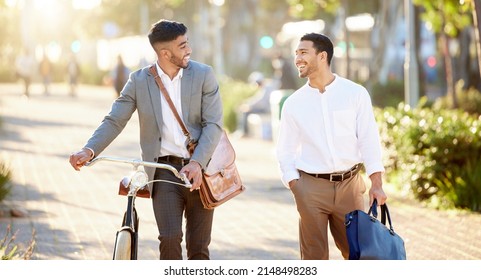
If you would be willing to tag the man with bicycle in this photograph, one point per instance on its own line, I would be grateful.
(194, 91)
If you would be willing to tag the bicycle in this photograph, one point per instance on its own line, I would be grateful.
(126, 240)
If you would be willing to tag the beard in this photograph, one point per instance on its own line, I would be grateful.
(179, 61)
(302, 75)
(307, 71)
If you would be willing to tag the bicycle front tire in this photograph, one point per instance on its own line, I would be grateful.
(123, 245)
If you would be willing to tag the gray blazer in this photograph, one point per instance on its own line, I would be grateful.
(201, 113)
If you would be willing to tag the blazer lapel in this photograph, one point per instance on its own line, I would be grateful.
(185, 92)
(154, 92)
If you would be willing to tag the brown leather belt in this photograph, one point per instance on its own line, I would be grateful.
(174, 160)
(338, 177)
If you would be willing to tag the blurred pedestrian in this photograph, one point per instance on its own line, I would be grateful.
(73, 71)
(45, 69)
(120, 75)
(24, 68)
(194, 91)
(327, 133)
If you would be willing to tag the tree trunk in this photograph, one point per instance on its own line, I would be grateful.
(477, 30)
(448, 62)
(462, 62)
(417, 46)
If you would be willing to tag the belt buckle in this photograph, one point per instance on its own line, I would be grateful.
(354, 168)
(332, 177)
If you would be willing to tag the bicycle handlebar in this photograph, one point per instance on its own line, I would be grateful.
(136, 163)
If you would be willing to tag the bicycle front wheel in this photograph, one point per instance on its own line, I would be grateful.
(123, 245)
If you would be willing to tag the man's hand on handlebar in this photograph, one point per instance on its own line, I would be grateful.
(78, 159)
(193, 171)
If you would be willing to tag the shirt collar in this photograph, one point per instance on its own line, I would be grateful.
(333, 83)
(328, 87)
(161, 73)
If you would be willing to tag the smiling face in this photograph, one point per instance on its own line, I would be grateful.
(178, 52)
(308, 62)
(306, 59)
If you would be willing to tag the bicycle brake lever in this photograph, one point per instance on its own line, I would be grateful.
(186, 180)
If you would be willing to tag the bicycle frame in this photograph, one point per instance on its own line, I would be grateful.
(126, 240)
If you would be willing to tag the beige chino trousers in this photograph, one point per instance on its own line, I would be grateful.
(321, 203)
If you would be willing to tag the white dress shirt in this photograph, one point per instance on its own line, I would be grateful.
(328, 132)
(173, 140)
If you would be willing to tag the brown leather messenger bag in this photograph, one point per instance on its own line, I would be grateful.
(220, 179)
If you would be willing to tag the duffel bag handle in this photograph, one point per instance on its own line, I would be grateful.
(373, 209)
(384, 214)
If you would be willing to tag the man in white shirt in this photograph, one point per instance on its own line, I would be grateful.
(327, 133)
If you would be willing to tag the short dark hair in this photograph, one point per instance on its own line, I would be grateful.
(321, 43)
(165, 31)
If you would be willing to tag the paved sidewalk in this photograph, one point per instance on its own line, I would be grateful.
(76, 214)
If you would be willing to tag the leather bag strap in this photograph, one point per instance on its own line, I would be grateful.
(153, 71)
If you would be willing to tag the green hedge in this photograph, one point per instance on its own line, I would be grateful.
(233, 94)
(389, 94)
(437, 153)
(469, 100)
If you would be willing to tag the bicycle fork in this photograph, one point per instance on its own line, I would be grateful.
(130, 224)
